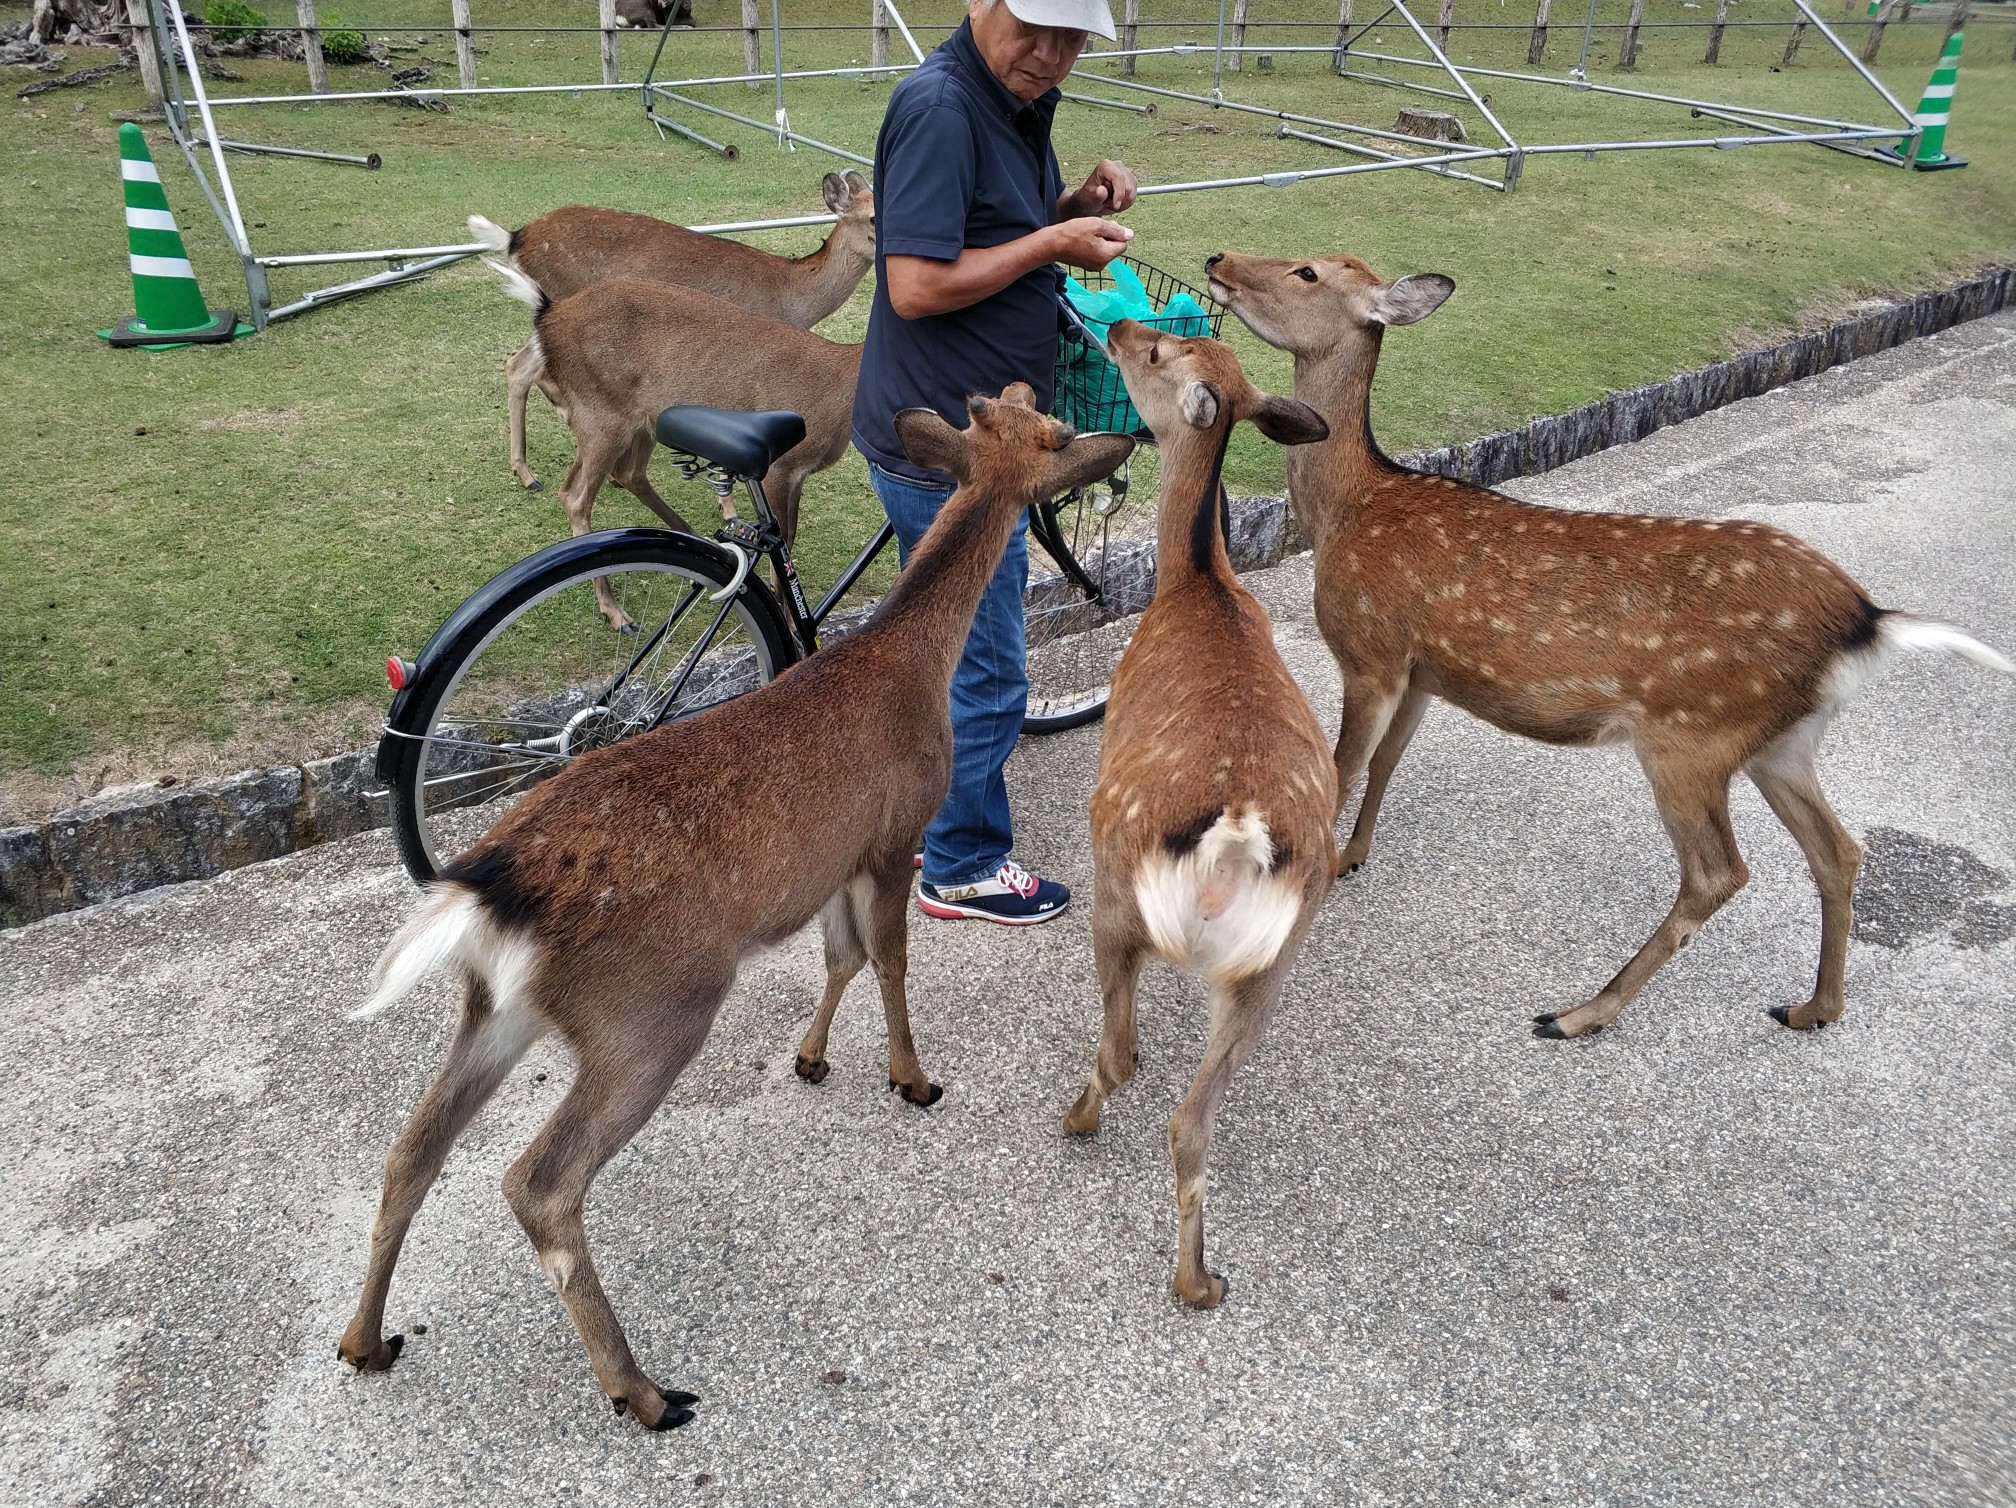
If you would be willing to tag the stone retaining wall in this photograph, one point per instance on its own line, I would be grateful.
(132, 840)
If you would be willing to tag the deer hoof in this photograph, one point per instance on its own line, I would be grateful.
(1216, 1288)
(1784, 1014)
(672, 1418)
(929, 1095)
(812, 1070)
(377, 1360)
(1547, 1027)
(535, 485)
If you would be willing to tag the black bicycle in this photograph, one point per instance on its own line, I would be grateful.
(530, 673)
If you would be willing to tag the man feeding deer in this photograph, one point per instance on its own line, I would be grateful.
(972, 215)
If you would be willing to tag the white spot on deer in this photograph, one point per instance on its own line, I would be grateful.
(1653, 641)
(1785, 617)
(1502, 626)
(1744, 568)
(1711, 526)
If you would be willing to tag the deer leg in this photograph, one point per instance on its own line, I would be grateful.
(594, 456)
(1117, 952)
(487, 1046)
(632, 473)
(1399, 732)
(521, 372)
(1792, 788)
(615, 1091)
(882, 916)
(1239, 1012)
(1369, 709)
(845, 954)
(1695, 808)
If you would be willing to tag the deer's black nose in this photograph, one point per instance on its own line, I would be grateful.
(1213, 260)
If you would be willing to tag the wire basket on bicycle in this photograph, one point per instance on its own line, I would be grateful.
(1089, 392)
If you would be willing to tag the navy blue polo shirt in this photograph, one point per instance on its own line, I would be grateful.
(959, 162)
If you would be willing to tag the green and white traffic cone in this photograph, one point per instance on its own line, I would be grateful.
(169, 307)
(1934, 111)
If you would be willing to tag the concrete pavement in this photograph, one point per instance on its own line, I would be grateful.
(1695, 1259)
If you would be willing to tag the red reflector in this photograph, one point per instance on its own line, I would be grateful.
(398, 672)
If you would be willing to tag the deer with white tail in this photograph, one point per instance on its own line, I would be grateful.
(570, 248)
(1710, 646)
(1212, 815)
(614, 904)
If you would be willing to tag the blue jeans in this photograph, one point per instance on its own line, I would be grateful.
(972, 832)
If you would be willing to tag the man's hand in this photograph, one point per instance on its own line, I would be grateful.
(1108, 189)
(1088, 242)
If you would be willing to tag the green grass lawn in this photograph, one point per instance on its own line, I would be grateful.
(206, 554)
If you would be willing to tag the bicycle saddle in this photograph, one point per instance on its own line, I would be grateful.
(744, 444)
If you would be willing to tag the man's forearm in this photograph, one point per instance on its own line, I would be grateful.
(922, 285)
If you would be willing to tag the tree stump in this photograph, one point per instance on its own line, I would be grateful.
(1430, 125)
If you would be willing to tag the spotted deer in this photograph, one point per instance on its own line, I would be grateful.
(1711, 647)
(622, 351)
(570, 248)
(614, 904)
(1213, 810)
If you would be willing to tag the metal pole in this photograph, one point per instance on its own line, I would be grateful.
(371, 161)
(1588, 31)
(763, 125)
(728, 152)
(904, 27)
(1842, 47)
(465, 45)
(1218, 57)
(606, 17)
(311, 47)
(777, 63)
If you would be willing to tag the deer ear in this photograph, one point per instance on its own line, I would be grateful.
(1200, 404)
(930, 442)
(1287, 422)
(1086, 459)
(855, 182)
(834, 188)
(1414, 297)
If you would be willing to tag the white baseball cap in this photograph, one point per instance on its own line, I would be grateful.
(1070, 15)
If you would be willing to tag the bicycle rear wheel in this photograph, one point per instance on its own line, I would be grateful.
(528, 675)
(1091, 562)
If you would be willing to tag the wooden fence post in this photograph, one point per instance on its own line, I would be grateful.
(465, 44)
(1538, 43)
(1627, 55)
(1896, 10)
(607, 21)
(752, 41)
(1715, 32)
(1238, 58)
(1792, 43)
(1343, 33)
(1958, 18)
(1130, 32)
(1442, 25)
(878, 36)
(311, 47)
(144, 49)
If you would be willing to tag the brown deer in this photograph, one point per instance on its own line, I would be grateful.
(1711, 647)
(621, 351)
(1212, 816)
(567, 249)
(616, 901)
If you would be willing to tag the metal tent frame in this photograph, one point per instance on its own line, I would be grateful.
(1495, 164)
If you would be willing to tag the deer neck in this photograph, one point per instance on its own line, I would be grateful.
(1327, 479)
(1189, 543)
(819, 282)
(938, 592)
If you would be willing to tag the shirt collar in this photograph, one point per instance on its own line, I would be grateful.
(966, 52)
